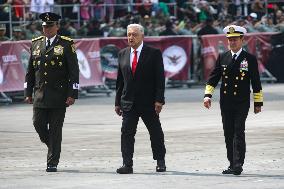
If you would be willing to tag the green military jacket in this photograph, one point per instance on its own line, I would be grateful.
(53, 73)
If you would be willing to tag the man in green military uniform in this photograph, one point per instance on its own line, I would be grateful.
(3, 36)
(51, 84)
(238, 69)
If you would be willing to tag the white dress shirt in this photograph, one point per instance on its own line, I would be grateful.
(238, 53)
(51, 40)
(139, 49)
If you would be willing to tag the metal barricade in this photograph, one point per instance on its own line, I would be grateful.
(77, 8)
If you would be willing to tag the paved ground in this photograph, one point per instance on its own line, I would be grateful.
(194, 141)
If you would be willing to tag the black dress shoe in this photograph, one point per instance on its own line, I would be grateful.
(125, 170)
(238, 170)
(228, 171)
(161, 166)
(51, 168)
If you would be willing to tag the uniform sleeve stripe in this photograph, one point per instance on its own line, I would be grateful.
(209, 89)
(258, 97)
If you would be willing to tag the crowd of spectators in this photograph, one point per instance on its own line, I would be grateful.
(109, 18)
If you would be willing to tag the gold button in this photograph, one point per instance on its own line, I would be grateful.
(45, 73)
(45, 82)
(237, 78)
(236, 85)
(225, 92)
(235, 93)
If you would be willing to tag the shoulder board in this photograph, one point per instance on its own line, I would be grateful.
(37, 38)
(66, 38)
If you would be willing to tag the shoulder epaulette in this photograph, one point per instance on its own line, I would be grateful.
(66, 38)
(37, 38)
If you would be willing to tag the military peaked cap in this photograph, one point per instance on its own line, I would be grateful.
(49, 18)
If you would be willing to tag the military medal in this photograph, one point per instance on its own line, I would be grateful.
(58, 50)
(36, 52)
(244, 65)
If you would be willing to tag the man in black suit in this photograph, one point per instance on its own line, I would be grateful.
(53, 79)
(238, 69)
(140, 91)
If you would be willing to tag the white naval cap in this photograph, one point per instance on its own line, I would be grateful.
(234, 31)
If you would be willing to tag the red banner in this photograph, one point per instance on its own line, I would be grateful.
(15, 57)
(88, 54)
(14, 60)
(176, 53)
(254, 43)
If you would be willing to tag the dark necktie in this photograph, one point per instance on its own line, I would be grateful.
(48, 44)
(234, 58)
(134, 62)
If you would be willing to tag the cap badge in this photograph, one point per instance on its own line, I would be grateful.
(231, 29)
(47, 17)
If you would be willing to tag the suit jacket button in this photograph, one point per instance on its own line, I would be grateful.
(237, 78)
(45, 73)
(236, 85)
(45, 82)
(226, 84)
(235, 93)
(226, 77)
(225, 92)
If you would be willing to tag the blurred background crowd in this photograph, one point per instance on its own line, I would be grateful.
(109, 18)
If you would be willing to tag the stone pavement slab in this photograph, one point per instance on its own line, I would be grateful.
(194, 140)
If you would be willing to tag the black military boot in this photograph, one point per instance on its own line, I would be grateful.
(161, 166)
(51, 168)
(125, 170)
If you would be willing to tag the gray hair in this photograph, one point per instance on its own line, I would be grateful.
(138, 26)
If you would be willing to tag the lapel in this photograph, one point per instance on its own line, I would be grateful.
(235, 64)
(53, 44)
(239, 60)
(128, 61)
(141, 58)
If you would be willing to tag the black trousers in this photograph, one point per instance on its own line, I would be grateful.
(48, 123)
(234, 131)
(128, 131)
